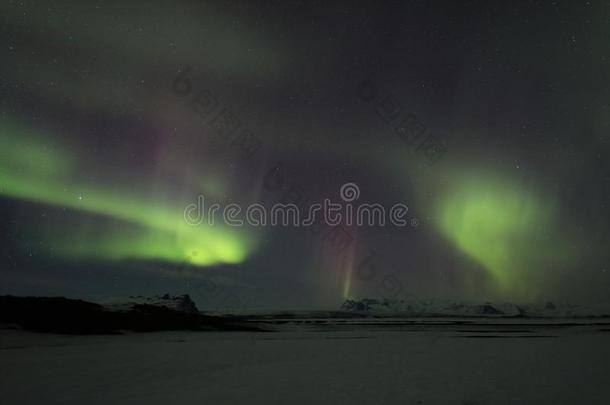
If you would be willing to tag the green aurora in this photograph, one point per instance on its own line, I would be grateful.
(36, 170)
(509, 229)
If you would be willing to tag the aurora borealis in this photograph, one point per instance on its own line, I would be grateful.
(499, 225)
(99, 155)
(39, 172)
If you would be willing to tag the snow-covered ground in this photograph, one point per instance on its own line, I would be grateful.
(311, 363)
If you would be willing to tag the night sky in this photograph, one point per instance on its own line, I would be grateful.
(489, 120)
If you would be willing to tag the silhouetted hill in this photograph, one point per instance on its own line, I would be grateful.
(63, 315)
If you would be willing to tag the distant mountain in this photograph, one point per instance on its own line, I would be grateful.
(438, 308)
(63, 315)
(180, 303)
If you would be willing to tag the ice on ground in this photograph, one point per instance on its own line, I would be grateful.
(351, 363)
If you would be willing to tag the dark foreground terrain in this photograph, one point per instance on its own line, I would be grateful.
(437, 363)
(63, 315)
(320, 357)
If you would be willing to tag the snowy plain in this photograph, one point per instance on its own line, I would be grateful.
(379, 361)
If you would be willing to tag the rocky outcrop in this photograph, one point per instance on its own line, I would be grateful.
(444, 308)
(63, 315)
